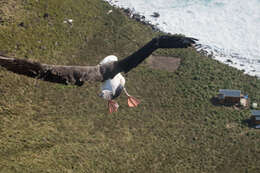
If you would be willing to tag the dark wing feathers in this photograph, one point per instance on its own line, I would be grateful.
(165, 41)
(175, 41)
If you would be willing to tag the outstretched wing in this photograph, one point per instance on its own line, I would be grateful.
(77, 75)
(166, 41)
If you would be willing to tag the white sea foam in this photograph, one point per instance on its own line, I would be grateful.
(228, 29)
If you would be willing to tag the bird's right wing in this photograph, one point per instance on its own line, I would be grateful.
(166, 41)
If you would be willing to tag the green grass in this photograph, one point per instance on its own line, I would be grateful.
(46, 127)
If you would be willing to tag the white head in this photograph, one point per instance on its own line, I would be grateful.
(106, 94)
(108, 59)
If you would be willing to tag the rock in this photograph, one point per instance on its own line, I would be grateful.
(1, 20)
(110, 11)
(155, 14)
(137, 17)
(243, 102)
(229, 61)
(127, 11)
(254, 105)
(45, 15)
(70, 21)
(21, 24)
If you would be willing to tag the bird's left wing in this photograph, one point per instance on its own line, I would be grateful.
(76, 75)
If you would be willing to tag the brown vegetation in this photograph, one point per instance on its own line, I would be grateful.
(169, 64)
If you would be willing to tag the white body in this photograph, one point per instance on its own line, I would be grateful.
(109, 87)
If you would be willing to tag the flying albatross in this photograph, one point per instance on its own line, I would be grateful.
(112, 88)
(107, 71)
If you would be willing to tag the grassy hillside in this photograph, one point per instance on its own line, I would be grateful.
(46, 127)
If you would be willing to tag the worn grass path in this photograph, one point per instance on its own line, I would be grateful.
(46, 127)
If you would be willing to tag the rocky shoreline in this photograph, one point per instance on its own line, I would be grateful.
(131, 13)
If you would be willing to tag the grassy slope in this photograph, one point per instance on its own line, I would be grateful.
(54, 128)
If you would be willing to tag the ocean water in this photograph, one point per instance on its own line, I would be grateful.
(229, 30)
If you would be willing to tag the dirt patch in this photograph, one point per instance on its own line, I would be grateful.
(169, 64)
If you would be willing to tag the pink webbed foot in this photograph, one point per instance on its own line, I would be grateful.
(132, 102)
(112, 106)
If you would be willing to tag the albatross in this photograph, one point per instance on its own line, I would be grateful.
(112, 88)
(107, 71)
